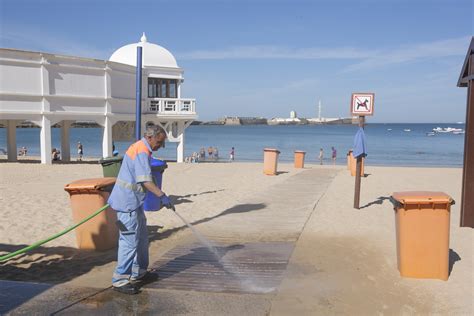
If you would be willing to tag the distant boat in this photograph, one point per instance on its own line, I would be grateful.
(430, 134)
(448, 130)
(389, 129)
(459, 132)
(407, 130)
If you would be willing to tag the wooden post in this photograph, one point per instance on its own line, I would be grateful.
(466, 79)
(358, 171)
(467, 196)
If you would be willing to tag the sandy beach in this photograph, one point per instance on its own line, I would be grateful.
(344, 260)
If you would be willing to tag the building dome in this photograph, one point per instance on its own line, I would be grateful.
(153, 55)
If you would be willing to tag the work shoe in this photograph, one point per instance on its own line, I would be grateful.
(128, 288)
(148, 277)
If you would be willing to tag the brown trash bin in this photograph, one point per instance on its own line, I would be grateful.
(270, 161)
(353, 165)
(422, 225)
(88, 196)
(299, 158)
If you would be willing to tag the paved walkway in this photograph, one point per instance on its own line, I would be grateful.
(255, 238)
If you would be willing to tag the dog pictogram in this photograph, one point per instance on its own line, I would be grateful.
(362, 104)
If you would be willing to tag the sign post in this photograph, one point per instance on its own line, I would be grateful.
(362, 104)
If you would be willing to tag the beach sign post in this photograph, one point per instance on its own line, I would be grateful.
(362, 105)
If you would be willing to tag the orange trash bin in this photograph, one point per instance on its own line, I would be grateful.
(87, 196)
(353, 165)
(422, 229)
(349, 159)
(270, 161)
(299, 158)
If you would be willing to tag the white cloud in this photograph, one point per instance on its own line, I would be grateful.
(275, 52)
(369, 58)
(437, 49)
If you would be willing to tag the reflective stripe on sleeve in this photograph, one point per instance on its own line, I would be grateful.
(144, 178)
(131, 186)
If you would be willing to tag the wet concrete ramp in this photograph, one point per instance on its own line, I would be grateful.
(242, 268)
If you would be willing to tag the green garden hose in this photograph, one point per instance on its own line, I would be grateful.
(39, 243)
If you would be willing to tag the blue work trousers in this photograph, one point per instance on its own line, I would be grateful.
(132, 261)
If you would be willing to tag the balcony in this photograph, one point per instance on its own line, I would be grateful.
(164, 106)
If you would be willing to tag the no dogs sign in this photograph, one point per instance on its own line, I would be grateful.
(362, 104)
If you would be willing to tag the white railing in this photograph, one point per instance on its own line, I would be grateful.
(170, 106)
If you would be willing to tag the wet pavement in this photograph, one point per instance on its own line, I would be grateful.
(63, 300)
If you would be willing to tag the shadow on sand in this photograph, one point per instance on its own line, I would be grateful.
(453, 258)
(379, 201)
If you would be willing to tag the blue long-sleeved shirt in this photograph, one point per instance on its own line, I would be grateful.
(128, 193)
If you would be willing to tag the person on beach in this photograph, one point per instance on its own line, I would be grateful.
(22, 151)
(195, 157)
(321, 156)
(80, 151)
(202, 153)
(232, 154)
(209, 152)
(216, 153)
(333, 155)
(127, 199)
(114, 151)
(55, 154)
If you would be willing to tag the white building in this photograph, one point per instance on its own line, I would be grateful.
(47, 89)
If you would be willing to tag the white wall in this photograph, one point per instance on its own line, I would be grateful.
(75, 81)
(122, 85)
(20, 78)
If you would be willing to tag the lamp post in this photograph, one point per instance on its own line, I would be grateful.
(138, 97)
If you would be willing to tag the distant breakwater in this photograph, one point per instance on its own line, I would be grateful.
(236, 121)
(230, 121)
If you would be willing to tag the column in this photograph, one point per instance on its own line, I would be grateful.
(180, 147)
(11, 140)
(45, 140)
(65, 141)
(107, 138)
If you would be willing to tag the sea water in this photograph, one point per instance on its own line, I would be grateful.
(387, 144)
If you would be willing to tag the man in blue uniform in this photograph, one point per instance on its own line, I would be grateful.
(127, 198)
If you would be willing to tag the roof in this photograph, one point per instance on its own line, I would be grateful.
(153, 55)
(464, 77)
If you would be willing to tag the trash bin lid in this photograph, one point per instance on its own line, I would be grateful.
(271, 150)
(154, 162)
(110, 159)
(97, 184)
(300, 152)
(421, 197)
(157, 164)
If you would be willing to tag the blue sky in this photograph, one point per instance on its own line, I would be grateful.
(265, 58)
